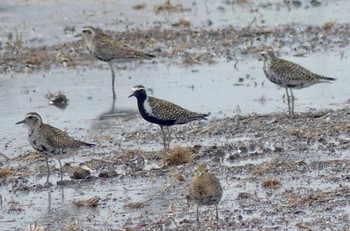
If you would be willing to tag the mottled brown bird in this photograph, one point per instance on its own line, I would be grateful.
(289, 75)
(162, 112)
(104, 48)
(205, 189)
(50, 141)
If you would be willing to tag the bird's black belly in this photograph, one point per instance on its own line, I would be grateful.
(154, 120)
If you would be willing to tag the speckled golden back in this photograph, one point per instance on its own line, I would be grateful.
(292, 71)
(105, 48)
(288, 74)
(57, 138)
(205, 188)
(165, 110)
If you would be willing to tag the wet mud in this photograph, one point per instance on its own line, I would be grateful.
(277, 172)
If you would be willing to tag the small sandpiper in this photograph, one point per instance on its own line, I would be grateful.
(289, 75)
(162, 112)
(50, 141)
(104, 48)
(205, 189)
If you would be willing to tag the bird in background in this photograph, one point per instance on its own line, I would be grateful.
(50, 141)
(106, 49)
(162, 112)
(289, 75)
(205, 189)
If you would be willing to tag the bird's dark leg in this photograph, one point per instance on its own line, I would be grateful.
(48, 169)
(169, 137)
(217, 217)
(113, 78)
(113, 105)
(61, 170)
(288, 100)
(293, 98)
(197, 215)
(164, 137)
(49, 201)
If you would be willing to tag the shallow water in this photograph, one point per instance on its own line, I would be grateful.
(120, 15)
(218, 88)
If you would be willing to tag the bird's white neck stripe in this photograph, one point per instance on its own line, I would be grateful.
(148, 107)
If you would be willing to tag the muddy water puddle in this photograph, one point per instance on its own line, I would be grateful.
(219, 89)
(277, 172)
(54, 207)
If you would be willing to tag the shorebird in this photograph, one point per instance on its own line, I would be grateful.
(162, 112)
(290, 75)
(50, 141)
(205, 189)
(104, 48)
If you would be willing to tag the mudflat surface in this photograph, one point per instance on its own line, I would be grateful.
(277, 172)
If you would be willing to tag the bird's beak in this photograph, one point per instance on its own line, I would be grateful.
(20, 122)
(132, 94)
(78, 35)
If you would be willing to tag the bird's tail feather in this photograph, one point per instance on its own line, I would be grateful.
(328, 78)
(90, 145)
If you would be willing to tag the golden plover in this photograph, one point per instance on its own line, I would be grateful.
(205, 189)
(104, 48)
(289, 75)
(162, 112)
(50, 141)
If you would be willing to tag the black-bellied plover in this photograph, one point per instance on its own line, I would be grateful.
(162, 112)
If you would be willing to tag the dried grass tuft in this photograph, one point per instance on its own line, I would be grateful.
(92, 202)
(329, 24)
(167, 6)
(32, 156)
(35, 227)
(178, 176)
(178, 156)
(135, 205)
(271, 183)
(261, 169)
(140, 6)
(6, 172)
(182, 23)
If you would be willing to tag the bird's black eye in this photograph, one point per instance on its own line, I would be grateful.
(30, 117)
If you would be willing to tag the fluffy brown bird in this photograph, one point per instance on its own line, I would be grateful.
(205, 189)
